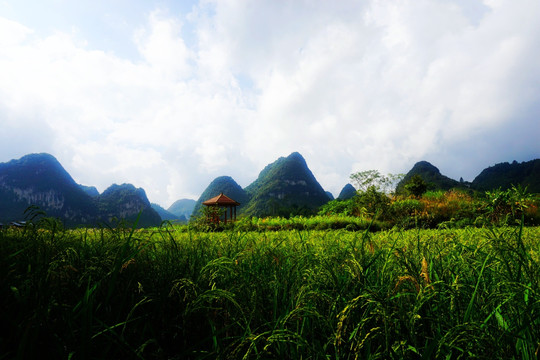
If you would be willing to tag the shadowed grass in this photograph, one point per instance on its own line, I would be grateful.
(170, 294)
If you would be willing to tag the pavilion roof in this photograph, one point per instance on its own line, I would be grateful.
(222, 200)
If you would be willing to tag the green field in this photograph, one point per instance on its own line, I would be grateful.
(176, 293)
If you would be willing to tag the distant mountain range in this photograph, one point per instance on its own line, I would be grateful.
(167, 215)
(287, 186)
(179, 212)
(284, 187)
(182, 208)
(39, 179)
(431, 175)
(503, 176)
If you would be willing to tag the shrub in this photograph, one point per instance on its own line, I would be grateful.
(339, 207)
(404, 212)
(416, 186)
(374, 202)
(506, 207)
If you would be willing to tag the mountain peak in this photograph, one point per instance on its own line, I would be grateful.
(347, 192)
(30, 167)
(126, 201)
(36, 157)
(286, 186)
(424, 166)
(182, 207)
(431, 175)
(296, 156)
(39, 179)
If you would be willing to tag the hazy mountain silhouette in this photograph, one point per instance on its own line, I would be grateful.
(182, 207)
(90, 190)
(347, 192)
(167, 215)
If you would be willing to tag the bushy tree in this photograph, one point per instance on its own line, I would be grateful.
(506, 206)
(373, 201)
(416, 186)
(339, 207)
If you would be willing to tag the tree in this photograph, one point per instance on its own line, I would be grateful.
(416, 186)
(363, 180)
(372, 201)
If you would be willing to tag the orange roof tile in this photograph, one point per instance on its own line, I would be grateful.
(221, 200)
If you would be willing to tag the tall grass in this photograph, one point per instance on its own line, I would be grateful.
(165, 293)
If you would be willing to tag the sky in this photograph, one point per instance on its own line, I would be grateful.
(168, 95)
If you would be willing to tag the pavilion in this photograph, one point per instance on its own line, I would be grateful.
(223, 201)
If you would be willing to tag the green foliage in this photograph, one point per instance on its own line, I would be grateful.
(339, 207)
(435, 195)
(321, 222)
(368, 203)
(504, 207)
(405, 212)
(452, 208)
(372, 201)
(210, 218)
(167, 293)
(416, 186)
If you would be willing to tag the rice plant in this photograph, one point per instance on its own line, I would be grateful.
(177, 293)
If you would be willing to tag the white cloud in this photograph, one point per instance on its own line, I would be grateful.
(163, 48)
(352, 86)
(12, 33)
